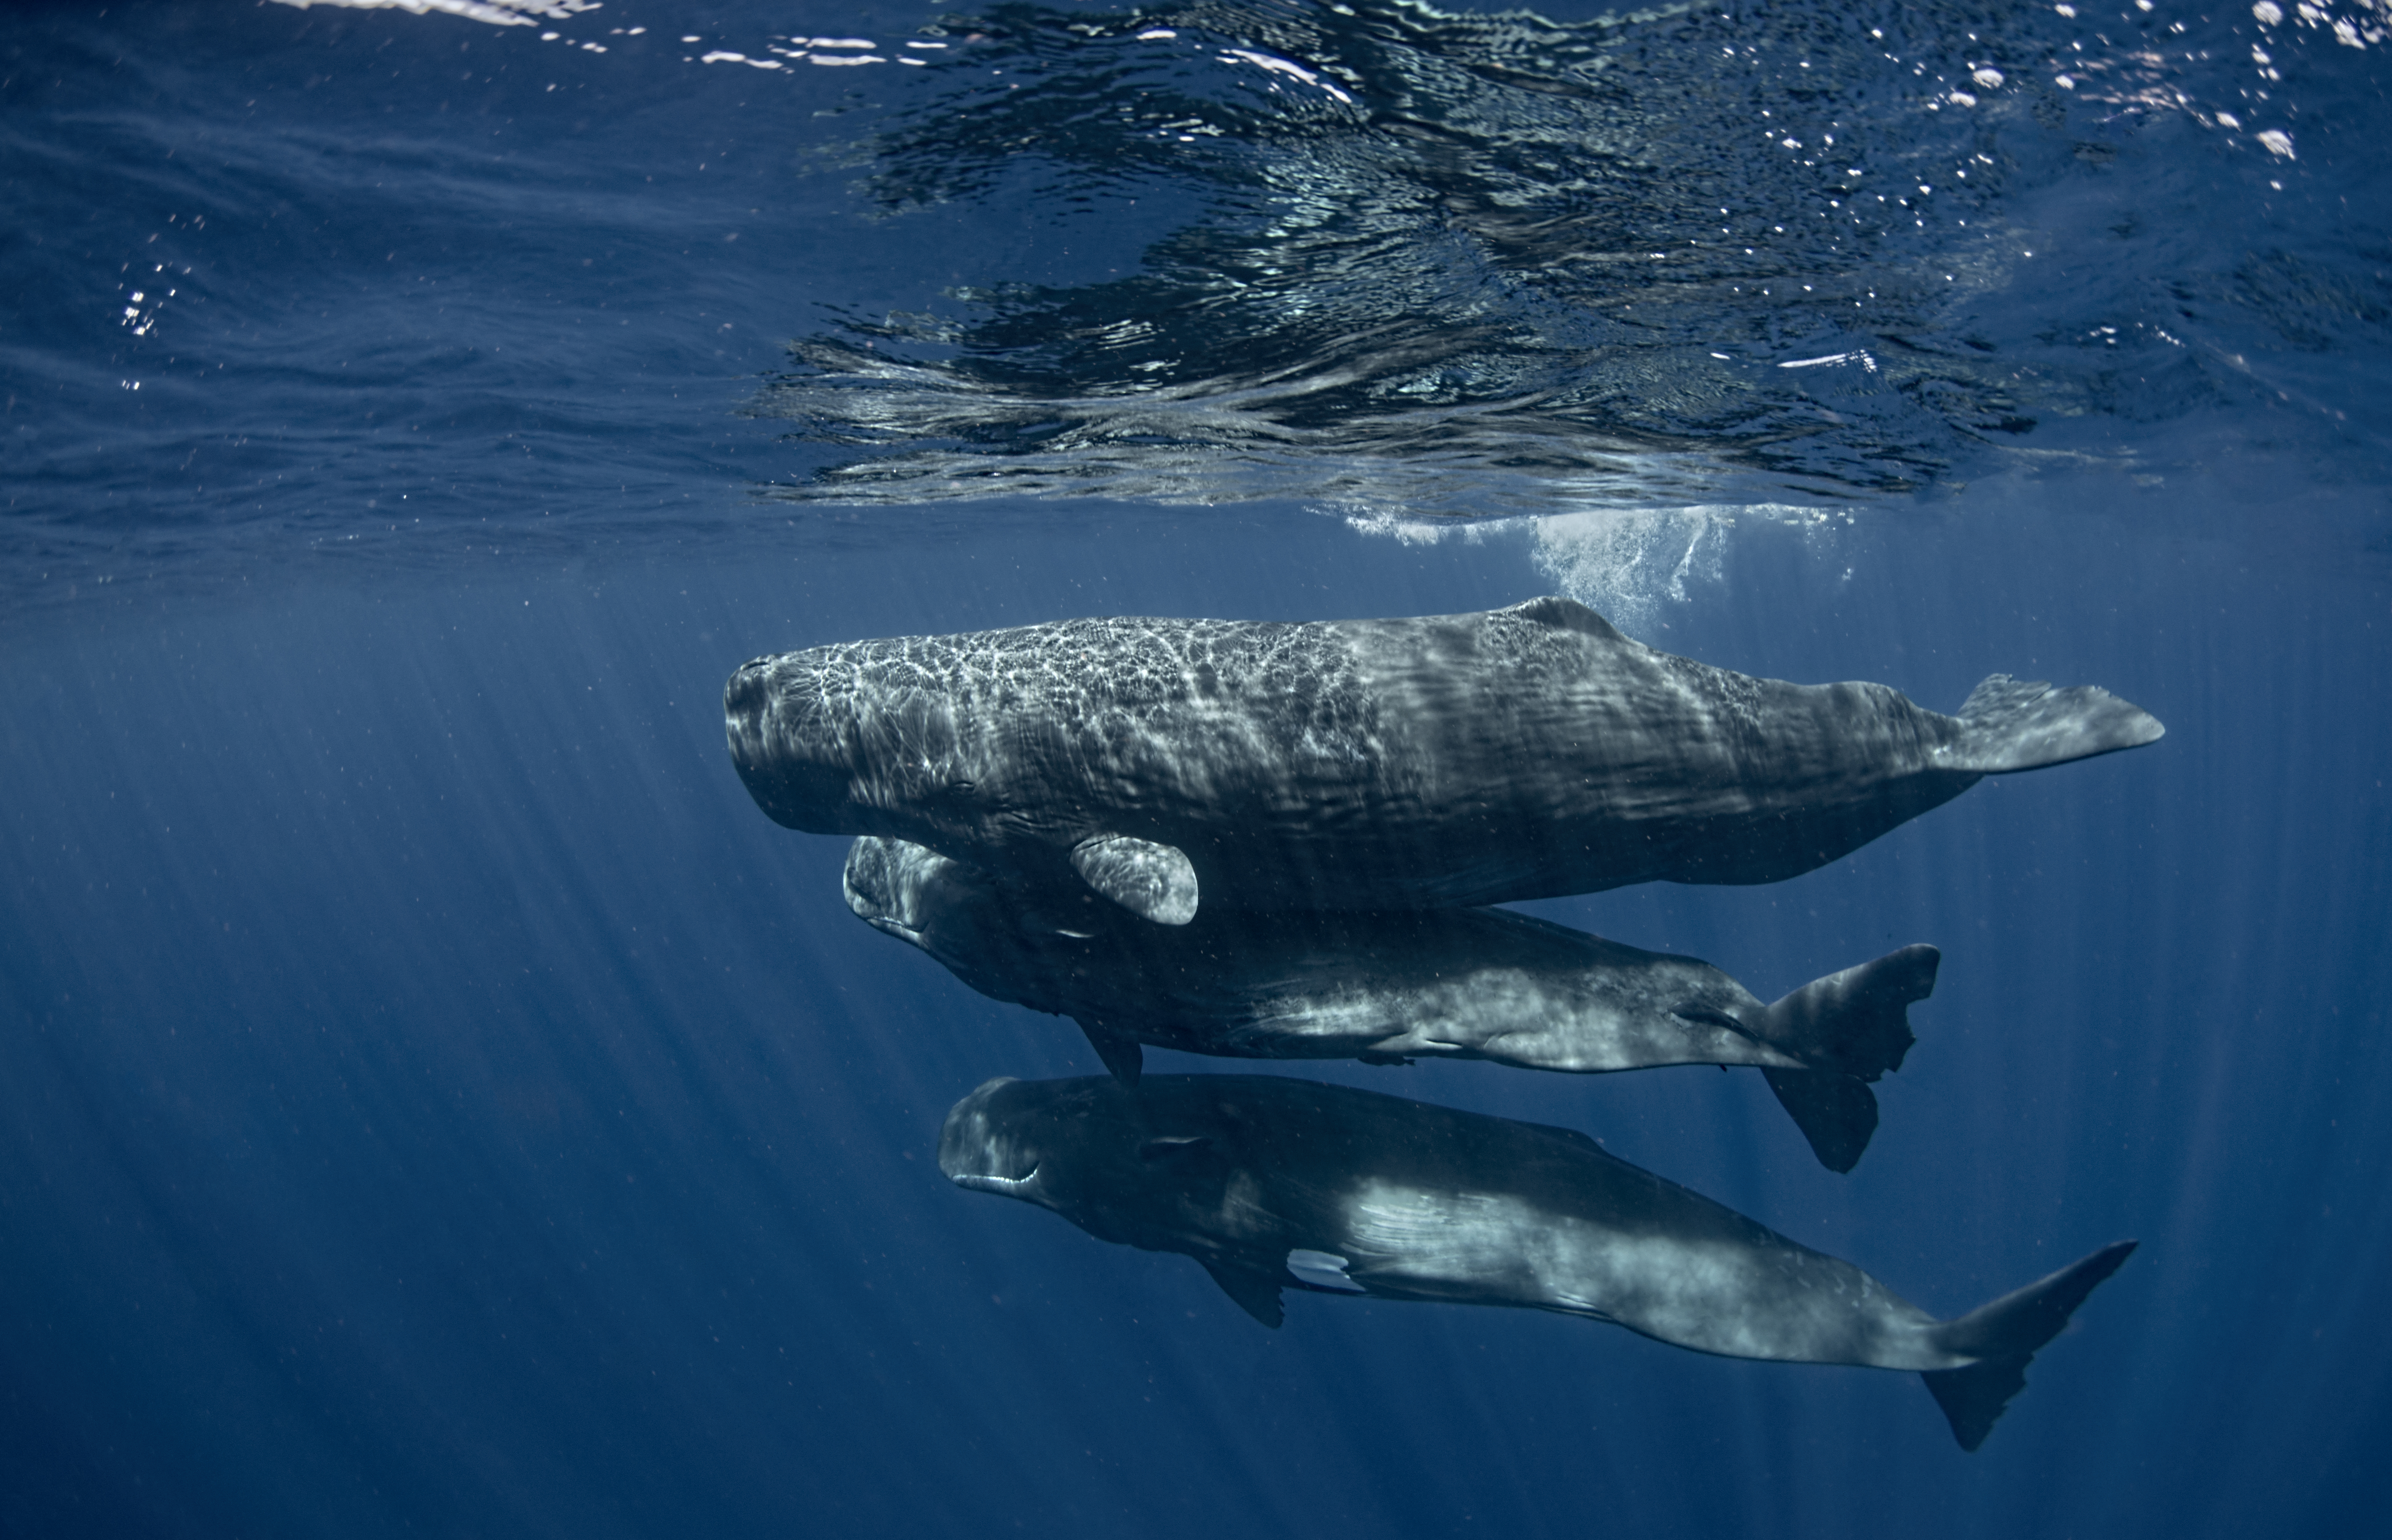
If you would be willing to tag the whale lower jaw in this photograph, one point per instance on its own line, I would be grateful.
(1012, 1186)
(903, 932)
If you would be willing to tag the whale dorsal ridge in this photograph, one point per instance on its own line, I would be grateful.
(1156, 881)
(1567, 614)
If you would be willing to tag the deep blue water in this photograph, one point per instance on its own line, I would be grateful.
(437, 1100)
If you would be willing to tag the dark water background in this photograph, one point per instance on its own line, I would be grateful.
(437, 1101)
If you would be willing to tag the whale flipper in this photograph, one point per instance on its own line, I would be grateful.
(1837, 1113)
(1123, 1059)
(2006, 1334)
(1856, 1022)
(1156, 881)
(2008, 724)
(1256, 1294)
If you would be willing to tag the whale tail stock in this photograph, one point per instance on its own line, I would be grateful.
(1850, 1027)
(2004, 1335)
(2008, 724)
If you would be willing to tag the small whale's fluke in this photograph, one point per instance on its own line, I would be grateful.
(2004, 1335)
(1835, 1113)
(1856, 1021)
(1848, 1029)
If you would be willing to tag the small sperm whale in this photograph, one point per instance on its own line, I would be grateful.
(1275, 1184)
(1426, 763)
(1389, 987)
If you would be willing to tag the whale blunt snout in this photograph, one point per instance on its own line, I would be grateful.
(974, 1153)
(787, 753)
(884, 881)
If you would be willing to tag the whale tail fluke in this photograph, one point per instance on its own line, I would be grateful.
(2008, 724)
(1856, 1022)
(1837, 1113)
(2004, 1335)
(1848, 1029)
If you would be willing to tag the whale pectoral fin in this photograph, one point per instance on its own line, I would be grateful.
(1835, 1113)
(1156, 881)
(1254, 1293)
(1123, 1058)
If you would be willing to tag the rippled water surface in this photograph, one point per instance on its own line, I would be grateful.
(437, 1100)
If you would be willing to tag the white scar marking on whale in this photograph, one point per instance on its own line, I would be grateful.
(1747, 1295)
(1321, 1269)
(1506, 1247)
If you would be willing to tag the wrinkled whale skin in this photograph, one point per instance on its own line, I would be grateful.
(1465, 983)
(1272, 1184)
(1430, 762)
(1390, 986)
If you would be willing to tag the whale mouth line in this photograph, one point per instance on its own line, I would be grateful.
(995, 1184)
(890, 925)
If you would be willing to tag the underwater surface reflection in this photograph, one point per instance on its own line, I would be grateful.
(1467, 262)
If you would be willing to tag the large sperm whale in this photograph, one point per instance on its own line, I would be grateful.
(1390, 987)
(1276, 1183)
(1522, 753)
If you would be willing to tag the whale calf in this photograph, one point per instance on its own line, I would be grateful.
(1425, 763)
(1274, 1183)
(1391, 986)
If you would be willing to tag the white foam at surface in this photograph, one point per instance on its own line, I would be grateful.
(498, 13)
(1626, 566)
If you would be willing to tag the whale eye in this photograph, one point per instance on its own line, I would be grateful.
(961, 788)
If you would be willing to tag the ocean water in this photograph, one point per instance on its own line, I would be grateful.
(434, 1099)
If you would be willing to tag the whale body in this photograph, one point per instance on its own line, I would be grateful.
(1423, 763)
(1391, 986)
(1275, 1184)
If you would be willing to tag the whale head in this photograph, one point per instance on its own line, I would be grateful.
(1083, 1147)
(829, 745)
(1001, 938)
(898, 888)
(985, 1146)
